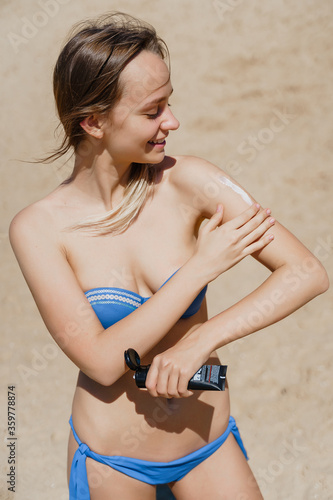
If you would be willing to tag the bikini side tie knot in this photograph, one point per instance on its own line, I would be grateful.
(83, 448)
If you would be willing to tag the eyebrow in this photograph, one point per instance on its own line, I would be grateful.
(156, 101)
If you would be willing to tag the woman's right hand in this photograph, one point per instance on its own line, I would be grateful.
(220, 246)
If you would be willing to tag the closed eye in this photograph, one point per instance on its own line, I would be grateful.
(153, 116)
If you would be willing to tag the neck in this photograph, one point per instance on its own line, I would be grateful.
(97, 175)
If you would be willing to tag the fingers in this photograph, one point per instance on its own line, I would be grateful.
(163, 380)
(247, 232)
(244, 217)
(253, 222)
(214, 221)
(177, 387)
(256, 227)
(151, 380)
(258, 245)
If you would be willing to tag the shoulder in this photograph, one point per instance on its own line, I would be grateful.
(192, 173)
(33, 223)
(192, 166)
(36, 243)
(32, 216)
(202, 185)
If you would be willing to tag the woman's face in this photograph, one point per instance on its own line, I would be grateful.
(141, 120)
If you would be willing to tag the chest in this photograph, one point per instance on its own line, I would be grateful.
(142, 258)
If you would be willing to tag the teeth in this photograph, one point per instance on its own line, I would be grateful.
(157, 142)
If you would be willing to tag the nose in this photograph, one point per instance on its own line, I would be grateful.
(169, 121)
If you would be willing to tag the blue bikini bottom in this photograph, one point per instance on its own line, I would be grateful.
(143, 470)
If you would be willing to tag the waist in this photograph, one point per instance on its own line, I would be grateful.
(124, 420)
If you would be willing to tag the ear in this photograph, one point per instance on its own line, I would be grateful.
(93, 126)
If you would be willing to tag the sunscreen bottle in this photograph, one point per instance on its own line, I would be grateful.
(207, 378)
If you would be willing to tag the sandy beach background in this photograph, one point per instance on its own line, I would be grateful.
(253, 93)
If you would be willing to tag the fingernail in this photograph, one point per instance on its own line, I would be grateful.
(219, 208)
(272, 221)
(268, 211)
(271, 237)
(257, 205)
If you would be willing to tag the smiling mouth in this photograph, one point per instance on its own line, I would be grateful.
(161, 142)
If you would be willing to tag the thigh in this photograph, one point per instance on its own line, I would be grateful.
(225, 475)
(106, 483)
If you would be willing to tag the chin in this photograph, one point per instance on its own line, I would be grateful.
(153, 159)
(156, 162)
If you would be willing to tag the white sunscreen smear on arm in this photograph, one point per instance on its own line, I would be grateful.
(236, 189)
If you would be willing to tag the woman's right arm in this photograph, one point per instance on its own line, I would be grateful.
(73, 323)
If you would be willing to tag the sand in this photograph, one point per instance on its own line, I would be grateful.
(238, 69)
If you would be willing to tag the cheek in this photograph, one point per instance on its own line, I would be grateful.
(131, 132)
(144, 130)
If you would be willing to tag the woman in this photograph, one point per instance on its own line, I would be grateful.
(124, 228)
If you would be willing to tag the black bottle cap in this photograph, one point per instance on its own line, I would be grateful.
(132, 359)
(141, 375)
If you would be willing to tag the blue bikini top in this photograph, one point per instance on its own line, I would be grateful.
(113, 304)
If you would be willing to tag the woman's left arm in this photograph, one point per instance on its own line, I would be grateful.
(297, 276)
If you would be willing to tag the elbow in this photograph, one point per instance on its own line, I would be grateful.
(323, 281)
(107, 380)
(101, 366)
(308, 278)
(105, 377)
(102, 379)
(320, 280)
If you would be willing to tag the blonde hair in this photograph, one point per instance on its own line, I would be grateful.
(136, 192)
(86, 81)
